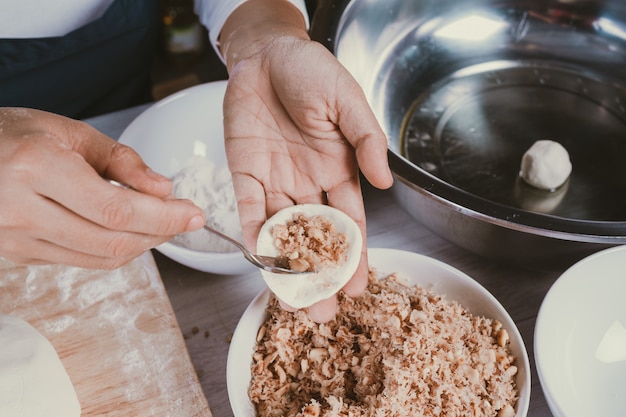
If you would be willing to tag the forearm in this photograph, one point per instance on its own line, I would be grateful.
(255, 24)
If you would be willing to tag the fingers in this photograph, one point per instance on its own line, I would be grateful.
(320, 312)
(324, 311)
(42, 231)
(256, 203)
(69, 231)
(345, 197)
(43, 252)
(119, 162)
(127, 210)
(251, 207)
(127, 167)
(55, 202)
(107, 157)
(372, 158)
(77, 187)
(359, 125)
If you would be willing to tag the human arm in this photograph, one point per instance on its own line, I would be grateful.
(213, 15)
(55, 206)
(297, 125)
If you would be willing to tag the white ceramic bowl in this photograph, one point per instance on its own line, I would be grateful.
(580, 338)
(433, 275)
(167, 135)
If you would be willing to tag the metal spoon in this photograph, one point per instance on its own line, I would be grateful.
(266, 263)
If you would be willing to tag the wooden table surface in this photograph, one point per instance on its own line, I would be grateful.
(115, 333)
(208, 307)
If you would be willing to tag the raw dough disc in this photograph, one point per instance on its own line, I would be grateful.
(305, 290)
(33, 381)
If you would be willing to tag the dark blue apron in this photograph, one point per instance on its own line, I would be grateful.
(100, 67)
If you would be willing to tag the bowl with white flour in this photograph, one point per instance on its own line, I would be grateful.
(182, 137)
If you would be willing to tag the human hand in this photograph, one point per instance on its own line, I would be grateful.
(55, 206)
(297, 130)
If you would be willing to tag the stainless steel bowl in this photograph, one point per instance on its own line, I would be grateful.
(464, 87)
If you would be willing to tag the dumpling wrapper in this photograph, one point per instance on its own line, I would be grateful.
(33, 381)
(301, 291)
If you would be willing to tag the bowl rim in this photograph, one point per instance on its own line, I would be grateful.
(592, 231)
(173, 247)
(239, 349)
(540, 323)
(217, 263)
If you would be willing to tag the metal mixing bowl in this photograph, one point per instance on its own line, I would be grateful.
(464, 87)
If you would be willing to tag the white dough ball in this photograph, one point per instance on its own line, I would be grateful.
(546, 165)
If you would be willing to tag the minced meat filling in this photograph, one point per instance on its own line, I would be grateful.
(309, 243)
(395, 351)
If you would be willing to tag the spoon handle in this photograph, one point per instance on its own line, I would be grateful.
(266, 263)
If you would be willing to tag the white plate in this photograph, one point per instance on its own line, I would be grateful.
(419, 269)
(167, 135)
(580, 338)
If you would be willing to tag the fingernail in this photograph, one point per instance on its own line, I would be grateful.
(195, 223)
(155, 175)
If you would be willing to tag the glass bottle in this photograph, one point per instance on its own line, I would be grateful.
(182, 32)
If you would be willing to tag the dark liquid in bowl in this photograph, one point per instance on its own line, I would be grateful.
(472, 128)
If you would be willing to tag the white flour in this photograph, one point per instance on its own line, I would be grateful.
(210, 187)
(112, 328)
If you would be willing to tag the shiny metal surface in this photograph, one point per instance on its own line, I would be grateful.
(464, 87)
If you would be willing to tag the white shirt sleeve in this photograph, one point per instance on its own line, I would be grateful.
(213, 15)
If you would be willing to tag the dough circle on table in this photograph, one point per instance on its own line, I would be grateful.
(33, 381)
(546, 165)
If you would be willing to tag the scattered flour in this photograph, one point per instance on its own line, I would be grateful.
(209, 186)
(60, 325)
(110, 325)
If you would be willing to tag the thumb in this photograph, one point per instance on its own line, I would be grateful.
(361, 129)
(119, 162)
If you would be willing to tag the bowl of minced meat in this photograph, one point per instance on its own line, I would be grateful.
(423, 340)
